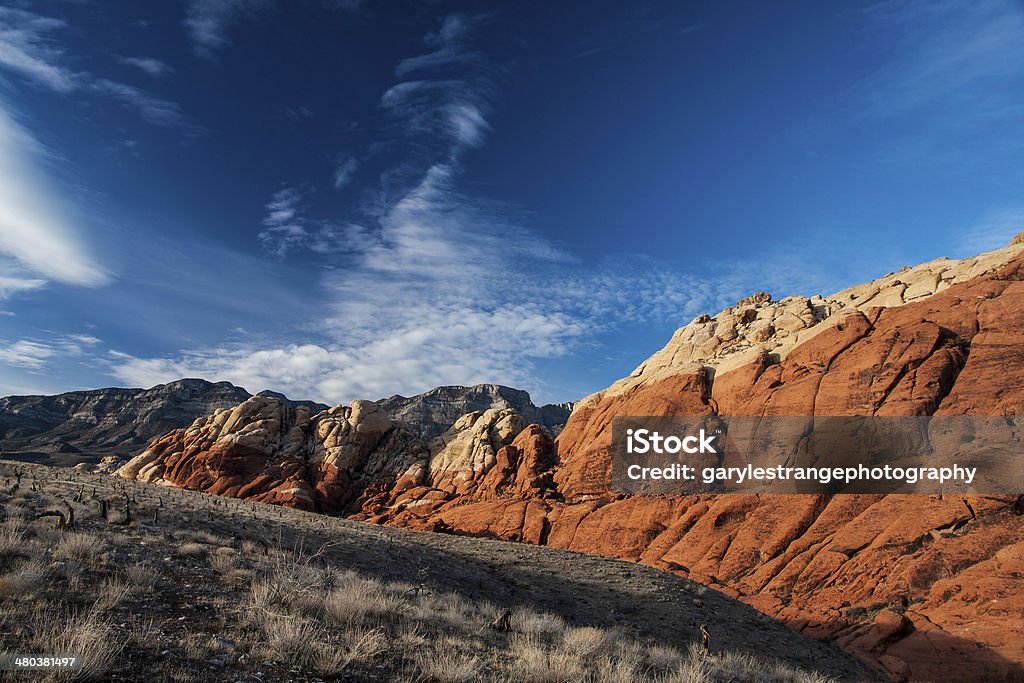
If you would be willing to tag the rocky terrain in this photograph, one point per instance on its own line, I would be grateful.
(84, 426)
(164, 584)
(87, 426)
(431, 413)
(925, 587)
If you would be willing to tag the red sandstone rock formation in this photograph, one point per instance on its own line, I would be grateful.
(928, 587)
(262, 450)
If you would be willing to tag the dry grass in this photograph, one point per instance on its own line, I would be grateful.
(529, 621)
(449, 667)
(585, 640)
(85, 635)
(287, 636)
(112, 593)
(222, 560)
(193, 549)
(12, 532)
(24, 582)
(139, 604)
(81, 547)
(141, 575)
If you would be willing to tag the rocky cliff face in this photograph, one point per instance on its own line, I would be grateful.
(270, 452)
(334, 461)
(926, 587)
(431, 413)
(82, 426)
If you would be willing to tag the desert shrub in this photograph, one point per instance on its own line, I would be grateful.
(192, 549)
(112, 593)
(79, 546)
(530, 622)
(85, 634)
(448, 666)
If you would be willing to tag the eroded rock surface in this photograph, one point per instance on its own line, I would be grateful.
(926, 587)
(266, 451)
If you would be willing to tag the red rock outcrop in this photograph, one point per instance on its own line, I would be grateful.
(925, 587)
(264, 451)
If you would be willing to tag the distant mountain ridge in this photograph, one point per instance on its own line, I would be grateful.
(85, 426)
(431, 413)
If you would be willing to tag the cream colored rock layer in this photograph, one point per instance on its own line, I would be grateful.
(469, 449)
(756, 324)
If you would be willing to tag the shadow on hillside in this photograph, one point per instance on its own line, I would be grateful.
(585, 589)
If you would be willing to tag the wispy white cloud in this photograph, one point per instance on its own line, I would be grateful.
(449, 290)
(439, 286)
(344, 171)
(10, 285)
(444, 95)
(994, 231)
(38, 354)
(208, 21)
(943, 53)
(284, 224)
(149, 65)
(451, 47)
(84, 339)
(297, 114)
(155, 110)
(34, 232)
(27, 354)
(27, 48)
(286, 227)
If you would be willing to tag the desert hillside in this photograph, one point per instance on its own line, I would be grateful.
(163, 584)
(924, 587)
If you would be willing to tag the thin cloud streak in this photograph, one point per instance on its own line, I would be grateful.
(36, 354)
(149, 65)
(208, 21)
(33, 231)
(344, 172)
(960, 52)
(26, 48)
(155, 110)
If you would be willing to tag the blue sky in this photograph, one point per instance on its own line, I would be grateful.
(343, 199)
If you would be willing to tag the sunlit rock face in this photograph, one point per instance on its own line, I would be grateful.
(925, 587)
